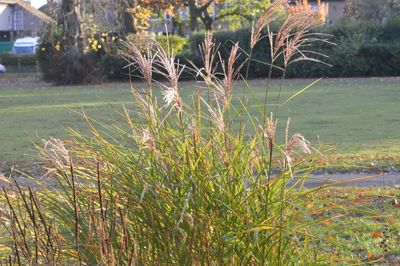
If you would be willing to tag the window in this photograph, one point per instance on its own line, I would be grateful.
(18, 20)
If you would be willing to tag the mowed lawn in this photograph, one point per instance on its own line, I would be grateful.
(355, 115)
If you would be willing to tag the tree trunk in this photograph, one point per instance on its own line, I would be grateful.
(71, 20)
(207, 20)
(193, 15)
(202, 12)
(124, 18)
(51, 9)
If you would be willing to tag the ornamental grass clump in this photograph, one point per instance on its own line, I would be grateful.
(178, 184)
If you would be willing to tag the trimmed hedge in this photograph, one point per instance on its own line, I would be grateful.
(9, 59)
(226, 39)
(113, 66)
(361, 49)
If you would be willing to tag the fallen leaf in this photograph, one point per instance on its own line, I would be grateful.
(376, 234)
(370, 255)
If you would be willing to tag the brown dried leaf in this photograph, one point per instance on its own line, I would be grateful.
(376, 234)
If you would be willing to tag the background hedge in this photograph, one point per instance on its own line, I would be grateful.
(9, 59)
(361, 50)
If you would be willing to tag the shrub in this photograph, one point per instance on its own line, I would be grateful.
(177, 184)
(113, 67)
(174, 42)
(362, 49)
(83, 69)
(226, 39)
(62, 65)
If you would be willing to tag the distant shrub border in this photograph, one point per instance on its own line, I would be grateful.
(113, 65)
(19, 63)
(9, 59)
(361, 50)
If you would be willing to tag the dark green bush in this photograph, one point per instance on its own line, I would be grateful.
(176, 43)
(62, 66)
(361, 50)
(227, 39)
(113, 67)
(53, 65)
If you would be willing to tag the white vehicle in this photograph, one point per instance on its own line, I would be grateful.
(26, 45)
(2, 69)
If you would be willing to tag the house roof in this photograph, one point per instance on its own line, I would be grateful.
(28, 8)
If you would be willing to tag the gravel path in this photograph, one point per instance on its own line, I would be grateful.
(359, 180)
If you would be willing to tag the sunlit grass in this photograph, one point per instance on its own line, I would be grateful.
(366, 227)
(358, 116)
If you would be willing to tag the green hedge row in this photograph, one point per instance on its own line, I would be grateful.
(9, 59)
(352, 60)
(113, 66)
(361, 49)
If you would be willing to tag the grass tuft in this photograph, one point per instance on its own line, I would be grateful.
(178, 183)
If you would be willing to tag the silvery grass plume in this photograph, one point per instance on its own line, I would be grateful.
(3, 179)
(208, 50)
(270, 14)
(216, 115)
(166, 66)
(195, 131)
(222, 89)
(269, 132)
(296, 141)
(146, 106)
(294, 36)
(55, 153)
(142, 61)
(230, 74)
(147, 140)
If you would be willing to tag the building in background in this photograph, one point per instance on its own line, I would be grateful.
(19, 19)
(330, 11)
(336, 9)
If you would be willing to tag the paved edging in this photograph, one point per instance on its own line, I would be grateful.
(359, 180)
